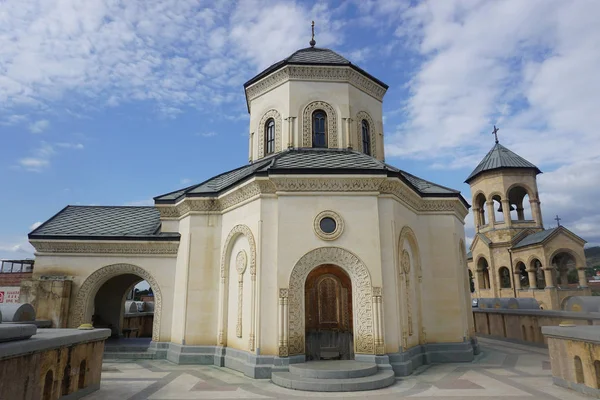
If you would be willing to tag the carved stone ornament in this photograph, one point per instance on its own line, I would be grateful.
(332, 129)
(261, 132)
(405, 261)
(315, 73)
(84, 299)
(362, 297)
(257, 187)
(363, 115)
(339, 225)
(241, 261)
(106, 247)
(234, 233)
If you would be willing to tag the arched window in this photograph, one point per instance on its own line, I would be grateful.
(540, 280)
(66, 381)
(480, 210)
(48, 385)
(484, 273)
(269, 136)
(319, 131)
(578, 370)
(504, 275)
(520, 208)
(523, 275)
(366, 137)
(81, 381)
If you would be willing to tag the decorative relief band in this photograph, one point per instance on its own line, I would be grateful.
(273, 185)
(314, 73)
(89, 247)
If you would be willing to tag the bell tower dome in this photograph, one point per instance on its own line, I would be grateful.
(315, 98)
(504, 193)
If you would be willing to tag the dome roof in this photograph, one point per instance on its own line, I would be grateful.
(500, 157)
(313, 56)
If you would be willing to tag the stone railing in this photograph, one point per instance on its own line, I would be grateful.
(526, 325)
(575, 357)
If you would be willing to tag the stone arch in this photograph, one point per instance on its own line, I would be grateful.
(89, 288)
(261, 131)
(406, 233)
(233, 234)
(411, 285)
(532, 195)
(332, 131)
(236, 231)
(578, 261)
(362, 293)
(372, 131)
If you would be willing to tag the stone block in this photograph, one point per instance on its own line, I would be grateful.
(17, 312)
(11, 332)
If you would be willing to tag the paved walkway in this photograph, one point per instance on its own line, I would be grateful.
(502, 371)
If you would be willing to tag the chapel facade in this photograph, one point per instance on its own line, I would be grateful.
(512, 254)
(316, 249)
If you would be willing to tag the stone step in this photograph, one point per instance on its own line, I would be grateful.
(125, 349)
(338, 369)
(129, 355)
(379, 380)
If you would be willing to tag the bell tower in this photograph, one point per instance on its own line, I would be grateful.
(505, 194)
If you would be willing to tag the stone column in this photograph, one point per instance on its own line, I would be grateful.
(290, 132)
(517, 279)
(348, 132)
(222, 336)
(548, 277)
(582, 279)
(490, 210)
(532, 278)
(477, 216)
(251, 147)
(283, 323)
(536, 212)
(506, 212)
(378, 321)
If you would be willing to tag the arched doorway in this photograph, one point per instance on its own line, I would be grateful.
(328, 314)
(102, 296)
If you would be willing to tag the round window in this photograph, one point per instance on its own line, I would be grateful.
(327, 225)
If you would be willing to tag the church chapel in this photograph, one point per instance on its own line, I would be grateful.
(316, 249)
(512, 255)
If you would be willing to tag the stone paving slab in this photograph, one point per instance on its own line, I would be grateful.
(502, 371)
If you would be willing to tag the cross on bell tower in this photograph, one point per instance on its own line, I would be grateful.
(495, 132)
(557, 219)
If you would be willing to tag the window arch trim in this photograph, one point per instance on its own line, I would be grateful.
(332, 127)
(363, 115)
(276, 116)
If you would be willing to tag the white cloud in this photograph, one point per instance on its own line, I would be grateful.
(35, 225)
(527, 66)
(175, 53)
(39, 126)
(41, 156)
(185, 181)
(139, 203)
(15, 248)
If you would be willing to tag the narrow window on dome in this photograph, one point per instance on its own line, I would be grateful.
(319, 123)
(366, 137)
(270, 136)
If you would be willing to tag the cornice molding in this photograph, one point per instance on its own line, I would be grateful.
(283, 184)
(104, 247)
(316, 73)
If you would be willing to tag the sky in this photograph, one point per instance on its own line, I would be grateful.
(108, 102)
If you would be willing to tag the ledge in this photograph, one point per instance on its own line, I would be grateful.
(581, 333)
(541, 313)
(48, 339)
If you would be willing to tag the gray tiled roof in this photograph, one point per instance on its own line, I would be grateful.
(312, 56)
(103, 222)
(500, 157)
(535, 238)
(307, 161)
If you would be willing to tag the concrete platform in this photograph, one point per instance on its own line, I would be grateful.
(334, 376)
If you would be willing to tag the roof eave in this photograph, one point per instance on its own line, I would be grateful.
(174, 237)
(475, 175)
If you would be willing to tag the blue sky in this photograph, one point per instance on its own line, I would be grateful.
(114, 102)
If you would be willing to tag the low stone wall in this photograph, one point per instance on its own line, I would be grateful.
(526, 325)
(575, 357)
(52, 364)
(138, 324)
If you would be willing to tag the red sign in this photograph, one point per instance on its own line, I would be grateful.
(9, 295)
